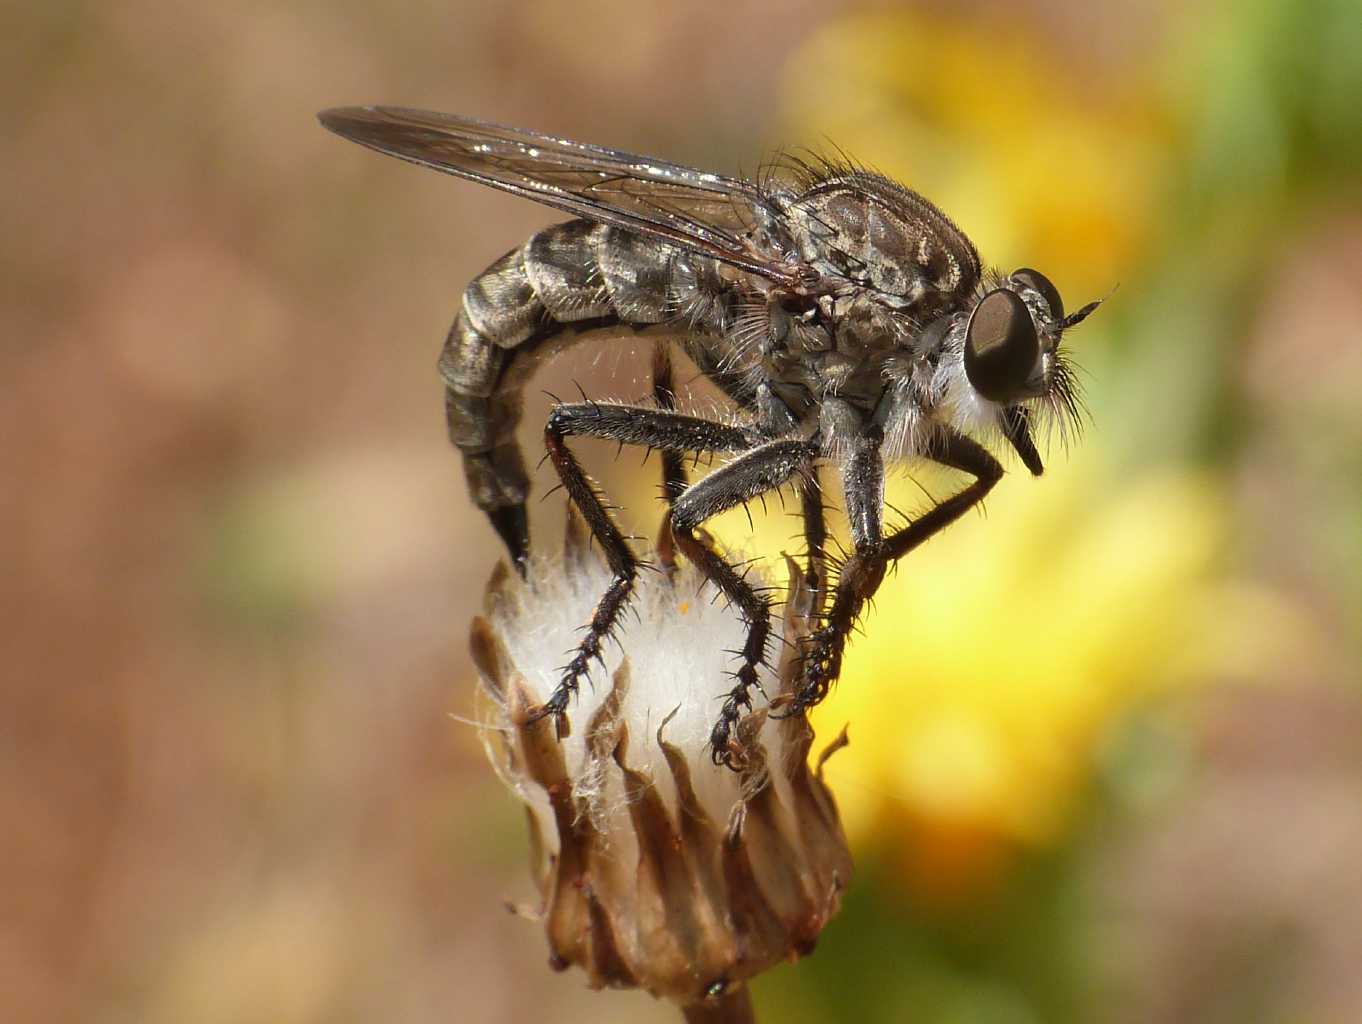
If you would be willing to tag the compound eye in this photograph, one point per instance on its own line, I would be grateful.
(1001, 347)
(1035, 279)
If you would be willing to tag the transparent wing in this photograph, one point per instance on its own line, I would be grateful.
(704, 213)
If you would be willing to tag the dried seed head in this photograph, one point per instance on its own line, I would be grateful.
(657, 869)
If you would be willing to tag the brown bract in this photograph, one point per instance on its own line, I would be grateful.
(669, 895)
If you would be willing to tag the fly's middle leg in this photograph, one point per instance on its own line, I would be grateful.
(652, 428)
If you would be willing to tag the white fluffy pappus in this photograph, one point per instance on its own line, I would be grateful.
(677, 636)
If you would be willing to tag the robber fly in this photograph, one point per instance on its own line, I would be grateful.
(846, 317)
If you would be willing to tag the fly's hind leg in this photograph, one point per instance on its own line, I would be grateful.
(752, 474)
(652, 428)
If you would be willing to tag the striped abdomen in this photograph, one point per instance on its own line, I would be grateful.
(567, 279)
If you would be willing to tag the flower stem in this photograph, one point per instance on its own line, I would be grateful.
(733, 1007)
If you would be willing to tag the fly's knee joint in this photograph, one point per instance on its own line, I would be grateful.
(683, 522)
(559, 423)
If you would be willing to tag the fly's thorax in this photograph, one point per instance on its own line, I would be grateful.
(864, 326)
(855, 378)
(797, 330)
(878, 235)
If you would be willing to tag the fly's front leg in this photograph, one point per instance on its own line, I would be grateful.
(751, 474)
(864, 570)
(627, 425)
(860, 576)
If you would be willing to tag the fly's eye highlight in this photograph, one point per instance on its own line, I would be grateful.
(1035, 279)
(1001, 347)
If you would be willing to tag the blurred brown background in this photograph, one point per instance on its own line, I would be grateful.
(238, 560)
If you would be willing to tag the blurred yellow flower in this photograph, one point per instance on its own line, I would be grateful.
(995, 658)
(1038, 168)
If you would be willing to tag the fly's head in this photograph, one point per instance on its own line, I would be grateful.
(1013, 363)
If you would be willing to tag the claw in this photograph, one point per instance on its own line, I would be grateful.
(722, 749)
(558, 709)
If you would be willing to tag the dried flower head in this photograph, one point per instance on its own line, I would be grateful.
(657, 869)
